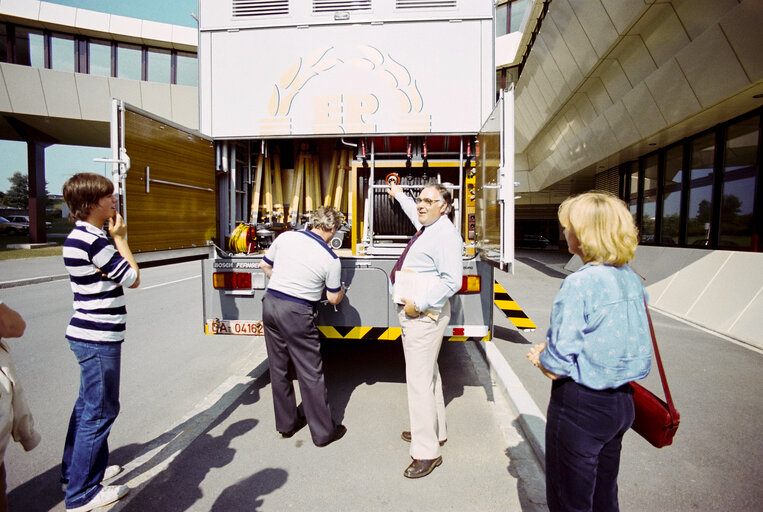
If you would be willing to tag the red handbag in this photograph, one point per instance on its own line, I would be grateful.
(656, 420)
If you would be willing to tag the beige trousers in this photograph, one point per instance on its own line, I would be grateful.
(422, 337)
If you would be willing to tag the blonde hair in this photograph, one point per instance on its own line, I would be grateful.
(327, 218)
(603, 226)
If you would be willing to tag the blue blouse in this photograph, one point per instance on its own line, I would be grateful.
(599, 334)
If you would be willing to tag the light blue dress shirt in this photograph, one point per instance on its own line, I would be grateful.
(599, 334)
(438, 252)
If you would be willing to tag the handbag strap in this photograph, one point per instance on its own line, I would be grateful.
(668, 398)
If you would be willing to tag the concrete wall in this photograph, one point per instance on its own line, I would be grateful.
(719, 290)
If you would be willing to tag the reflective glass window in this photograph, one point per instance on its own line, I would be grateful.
(700, 198)
(501, 23)
(740, 174)
(62, 54)
(129, 60)
(30, 47)
(633, 194)
(187, 69)
(671, 199)
(99, 58)
(649, 211)
(3, 42)
(518, 8)
(159, 65)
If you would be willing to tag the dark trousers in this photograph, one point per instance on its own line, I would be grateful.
(291, 335)
(584, 433)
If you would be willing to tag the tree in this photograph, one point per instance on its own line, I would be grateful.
(18, 195)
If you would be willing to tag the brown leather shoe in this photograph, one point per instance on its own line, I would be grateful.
(301, 422)
(406, 436)
(421, 467)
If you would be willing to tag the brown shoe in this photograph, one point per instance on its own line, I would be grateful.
(421, 467)
(406, 436)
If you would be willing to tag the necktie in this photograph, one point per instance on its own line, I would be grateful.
(400, 260)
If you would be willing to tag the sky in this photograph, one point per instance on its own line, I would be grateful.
(62, 161)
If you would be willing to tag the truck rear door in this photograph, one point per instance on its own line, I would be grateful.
(494, 188)
(165, 176)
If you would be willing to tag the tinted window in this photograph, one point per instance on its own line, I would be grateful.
(649, 211)
(159, 65)
(99, 58)
(671, 202)
(129, 61)
(30, 47)
(739, 181)
(187, 69)
(700, 190)
(62, 52)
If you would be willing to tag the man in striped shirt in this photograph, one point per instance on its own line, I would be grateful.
(97, 272)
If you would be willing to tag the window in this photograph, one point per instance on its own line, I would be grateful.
(700, 197)
(632, 178)
(30, 47)
(4, 48)
(62, 54)
(99, 58)
(517, 8)
(187, 71)
(649, 208)
(159, 65)
(509, 16)
(739, 182)
(671, 196)
(501, 20)
(129, 61)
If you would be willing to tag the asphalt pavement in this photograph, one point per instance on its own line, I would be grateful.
(714, 463)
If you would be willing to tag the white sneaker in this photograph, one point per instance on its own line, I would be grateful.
(107, 495)
(111, 472)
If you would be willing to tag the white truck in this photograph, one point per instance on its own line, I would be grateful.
(308, 103)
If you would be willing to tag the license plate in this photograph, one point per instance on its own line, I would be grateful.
(242, 327)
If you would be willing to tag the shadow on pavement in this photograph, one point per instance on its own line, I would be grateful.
(542, 267)
(43, 492)
(349, 364)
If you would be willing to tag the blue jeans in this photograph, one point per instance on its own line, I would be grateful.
(584, 433)
(86, 452)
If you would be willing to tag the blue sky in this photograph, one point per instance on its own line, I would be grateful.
(63, 161)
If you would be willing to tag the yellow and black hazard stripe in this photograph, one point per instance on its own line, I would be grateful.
(378, 333)
(511, 309)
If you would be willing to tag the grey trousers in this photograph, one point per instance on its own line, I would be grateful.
(291, 335)
(422, 338)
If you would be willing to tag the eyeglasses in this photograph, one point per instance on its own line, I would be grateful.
(427, 201)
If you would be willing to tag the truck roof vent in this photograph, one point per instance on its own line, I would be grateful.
(251, 8)
(424, 4)
(341, 5)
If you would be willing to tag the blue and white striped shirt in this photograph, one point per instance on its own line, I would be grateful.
(97, 273)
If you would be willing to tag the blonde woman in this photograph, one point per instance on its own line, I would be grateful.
(598, 342)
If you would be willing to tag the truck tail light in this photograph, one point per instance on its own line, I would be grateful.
(232, 280)
(471, 284)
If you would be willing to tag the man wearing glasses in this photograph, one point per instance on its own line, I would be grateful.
(434, 252)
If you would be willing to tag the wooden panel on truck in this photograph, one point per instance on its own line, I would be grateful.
(494, 185)
(173, 204)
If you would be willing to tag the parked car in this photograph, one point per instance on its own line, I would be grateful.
(24, 219)
(537, 241)
(12, 228)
